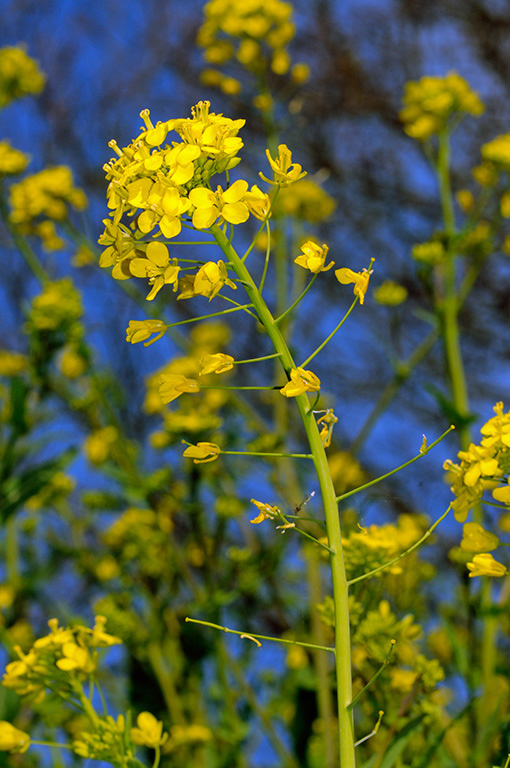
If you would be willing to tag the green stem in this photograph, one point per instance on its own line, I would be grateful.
(248, 635)
(299, 298)
(450, 304)
(21, 244)
(328, 338)
(393, 471)
(403, 554)
(340, 589)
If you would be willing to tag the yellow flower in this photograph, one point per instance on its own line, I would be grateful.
(360, 280)
(175, 384)
(139, 330)
(156, 267)
(502, 494)
(314, 257)
(75, 657)
(19, 75)
(12, 160)
(201, 453)
(497, 151)
(149, 732)
(218, 363)
(300, 381)
(480, 464)
(390, 294)
(12, 363)
(328, 421)
(225, 204)
(485, 565)
(12, 739)
(98, 445)
(285, 172)
(210, 279)
(429, 253)
(477, 539)
(266, 511)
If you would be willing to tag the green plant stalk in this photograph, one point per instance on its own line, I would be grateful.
(450, 304)
(449, 316)
(340, 589)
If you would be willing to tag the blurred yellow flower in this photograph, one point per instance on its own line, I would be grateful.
(149, 732)
(390, 294)
(201, 453)
(485, 565)
(172, 385)
(218, 363)
(12, 739)
(477, 539)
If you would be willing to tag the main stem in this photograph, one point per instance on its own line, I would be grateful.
(340, 588)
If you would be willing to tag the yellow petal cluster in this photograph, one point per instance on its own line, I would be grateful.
(149, 731)
(285, 171)
(266, 512)
(430, 102)
(300, 381)
(218, 363)
(390, 294)
(313, 257)
(485, 565)
(254, 33)
(12, 160)
(360, 280)
(304, 200)
(175, 384)
(483, 466)
(19, 75)
(201, 453)
(12, 739)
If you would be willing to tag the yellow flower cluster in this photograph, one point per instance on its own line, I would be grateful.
(12, 363)
(430, 102)
(50, 661)
(483, 467)
(497, 151)
(390, 294)
(156, 182)
(106, 742)
(140, 536)
(19, 75)
(368, 548)
(305, 200)
(12, 161)
(255, 33)
(43, 198)
(57, 308)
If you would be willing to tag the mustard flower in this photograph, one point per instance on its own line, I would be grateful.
(210, 279)
(497, 151)
(226, 205)
(74, 657)
(328, 421)
(360, 280)
(218, 363)
(314, 257)
(139, 330)
(174, 384)
(12, 363)
(149, 732)
(12, 739)
(201, 453)
(285, 172)
(477, 539)
(502, 494)
(12, 160)
(300, 381)
(390, 294)
(266, 511)
(480, 463)
(485, 565)
(156, 267)
(19, 75)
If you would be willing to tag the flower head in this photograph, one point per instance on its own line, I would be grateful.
(285, 172)
(201, 453)
(314, 257)
(172, 385)
(477, 539)
(360, 280)
(210, 279)
(149, 732)
(218, 363)
(12, 739)
(139, 330)
(156, 267)
(226, 205)
(266, 512)
(300, 381)
(485, 565)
